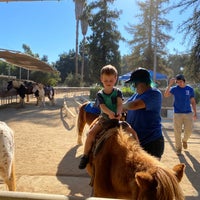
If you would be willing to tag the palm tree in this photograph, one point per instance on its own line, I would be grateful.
(84, 27)
(78, 12)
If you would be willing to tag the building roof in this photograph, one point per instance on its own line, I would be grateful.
(24, 61)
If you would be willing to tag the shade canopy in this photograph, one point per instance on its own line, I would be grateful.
(25, 61)
(159, 76)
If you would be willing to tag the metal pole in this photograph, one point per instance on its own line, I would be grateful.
(20, 73)
(155, 45)
(28, 74)
(83, 60)
(76, 58)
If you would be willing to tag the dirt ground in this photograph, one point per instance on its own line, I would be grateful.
(47, 154)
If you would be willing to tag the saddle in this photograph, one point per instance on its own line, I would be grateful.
(103, 135)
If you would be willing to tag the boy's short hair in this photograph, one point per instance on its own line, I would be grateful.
(109, 70)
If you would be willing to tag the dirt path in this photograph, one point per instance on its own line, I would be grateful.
(47, 154)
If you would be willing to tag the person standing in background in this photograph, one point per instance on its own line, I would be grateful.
(183, 116)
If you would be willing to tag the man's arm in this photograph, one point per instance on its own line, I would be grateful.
(119, 106)
(193, 103)
(134, 105)
(167, 91)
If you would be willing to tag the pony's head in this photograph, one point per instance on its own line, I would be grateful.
(161, 184)
(49, 92)
(35, 87)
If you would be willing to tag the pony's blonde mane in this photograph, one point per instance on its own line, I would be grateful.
(168, 187)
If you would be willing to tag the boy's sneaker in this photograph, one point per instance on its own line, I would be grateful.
(185, 145)
(83, 162)
(178, 152)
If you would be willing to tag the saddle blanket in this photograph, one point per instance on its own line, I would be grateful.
(91, 108)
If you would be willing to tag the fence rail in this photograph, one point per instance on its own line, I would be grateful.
(4, 195)
(7, 97)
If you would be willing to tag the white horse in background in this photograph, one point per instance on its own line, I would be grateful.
(38, 87)
(7, 171)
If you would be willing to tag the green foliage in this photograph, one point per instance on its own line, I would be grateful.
(127, 92)
(151, 23)
(73, 81)
(197, 95)
(45, 78)
(93, 92)
(66, 64)
(192, 69)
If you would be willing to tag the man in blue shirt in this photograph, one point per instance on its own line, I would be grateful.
(143, 112)
(183, 116)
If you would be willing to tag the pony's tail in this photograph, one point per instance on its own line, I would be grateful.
(81, 121)
(168, 187)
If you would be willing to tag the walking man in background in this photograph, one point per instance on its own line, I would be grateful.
(184, 103)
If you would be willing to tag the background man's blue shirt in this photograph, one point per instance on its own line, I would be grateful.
(182, 98)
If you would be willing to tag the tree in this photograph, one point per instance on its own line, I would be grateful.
(149, 33)
(178, 64)
(38, 76)
(65, 65)
(103, 43)
(84, 27)
(193, 69)
(190, 27)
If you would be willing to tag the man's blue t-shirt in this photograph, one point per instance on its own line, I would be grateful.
(182, 98)
(147, 121)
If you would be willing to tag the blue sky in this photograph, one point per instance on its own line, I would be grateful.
(48, 27)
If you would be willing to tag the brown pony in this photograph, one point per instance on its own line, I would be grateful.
(84, 118)
(122, 169)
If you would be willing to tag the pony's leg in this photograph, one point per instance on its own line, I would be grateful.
(11, 181)
(80, 127)
(43, 101)
(21, 101)
(79, 140)
(37, 102)
(53, 101)
(92, 192)
(27, 98)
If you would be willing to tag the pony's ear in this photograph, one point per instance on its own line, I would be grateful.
(145, 180)
(179, 170)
